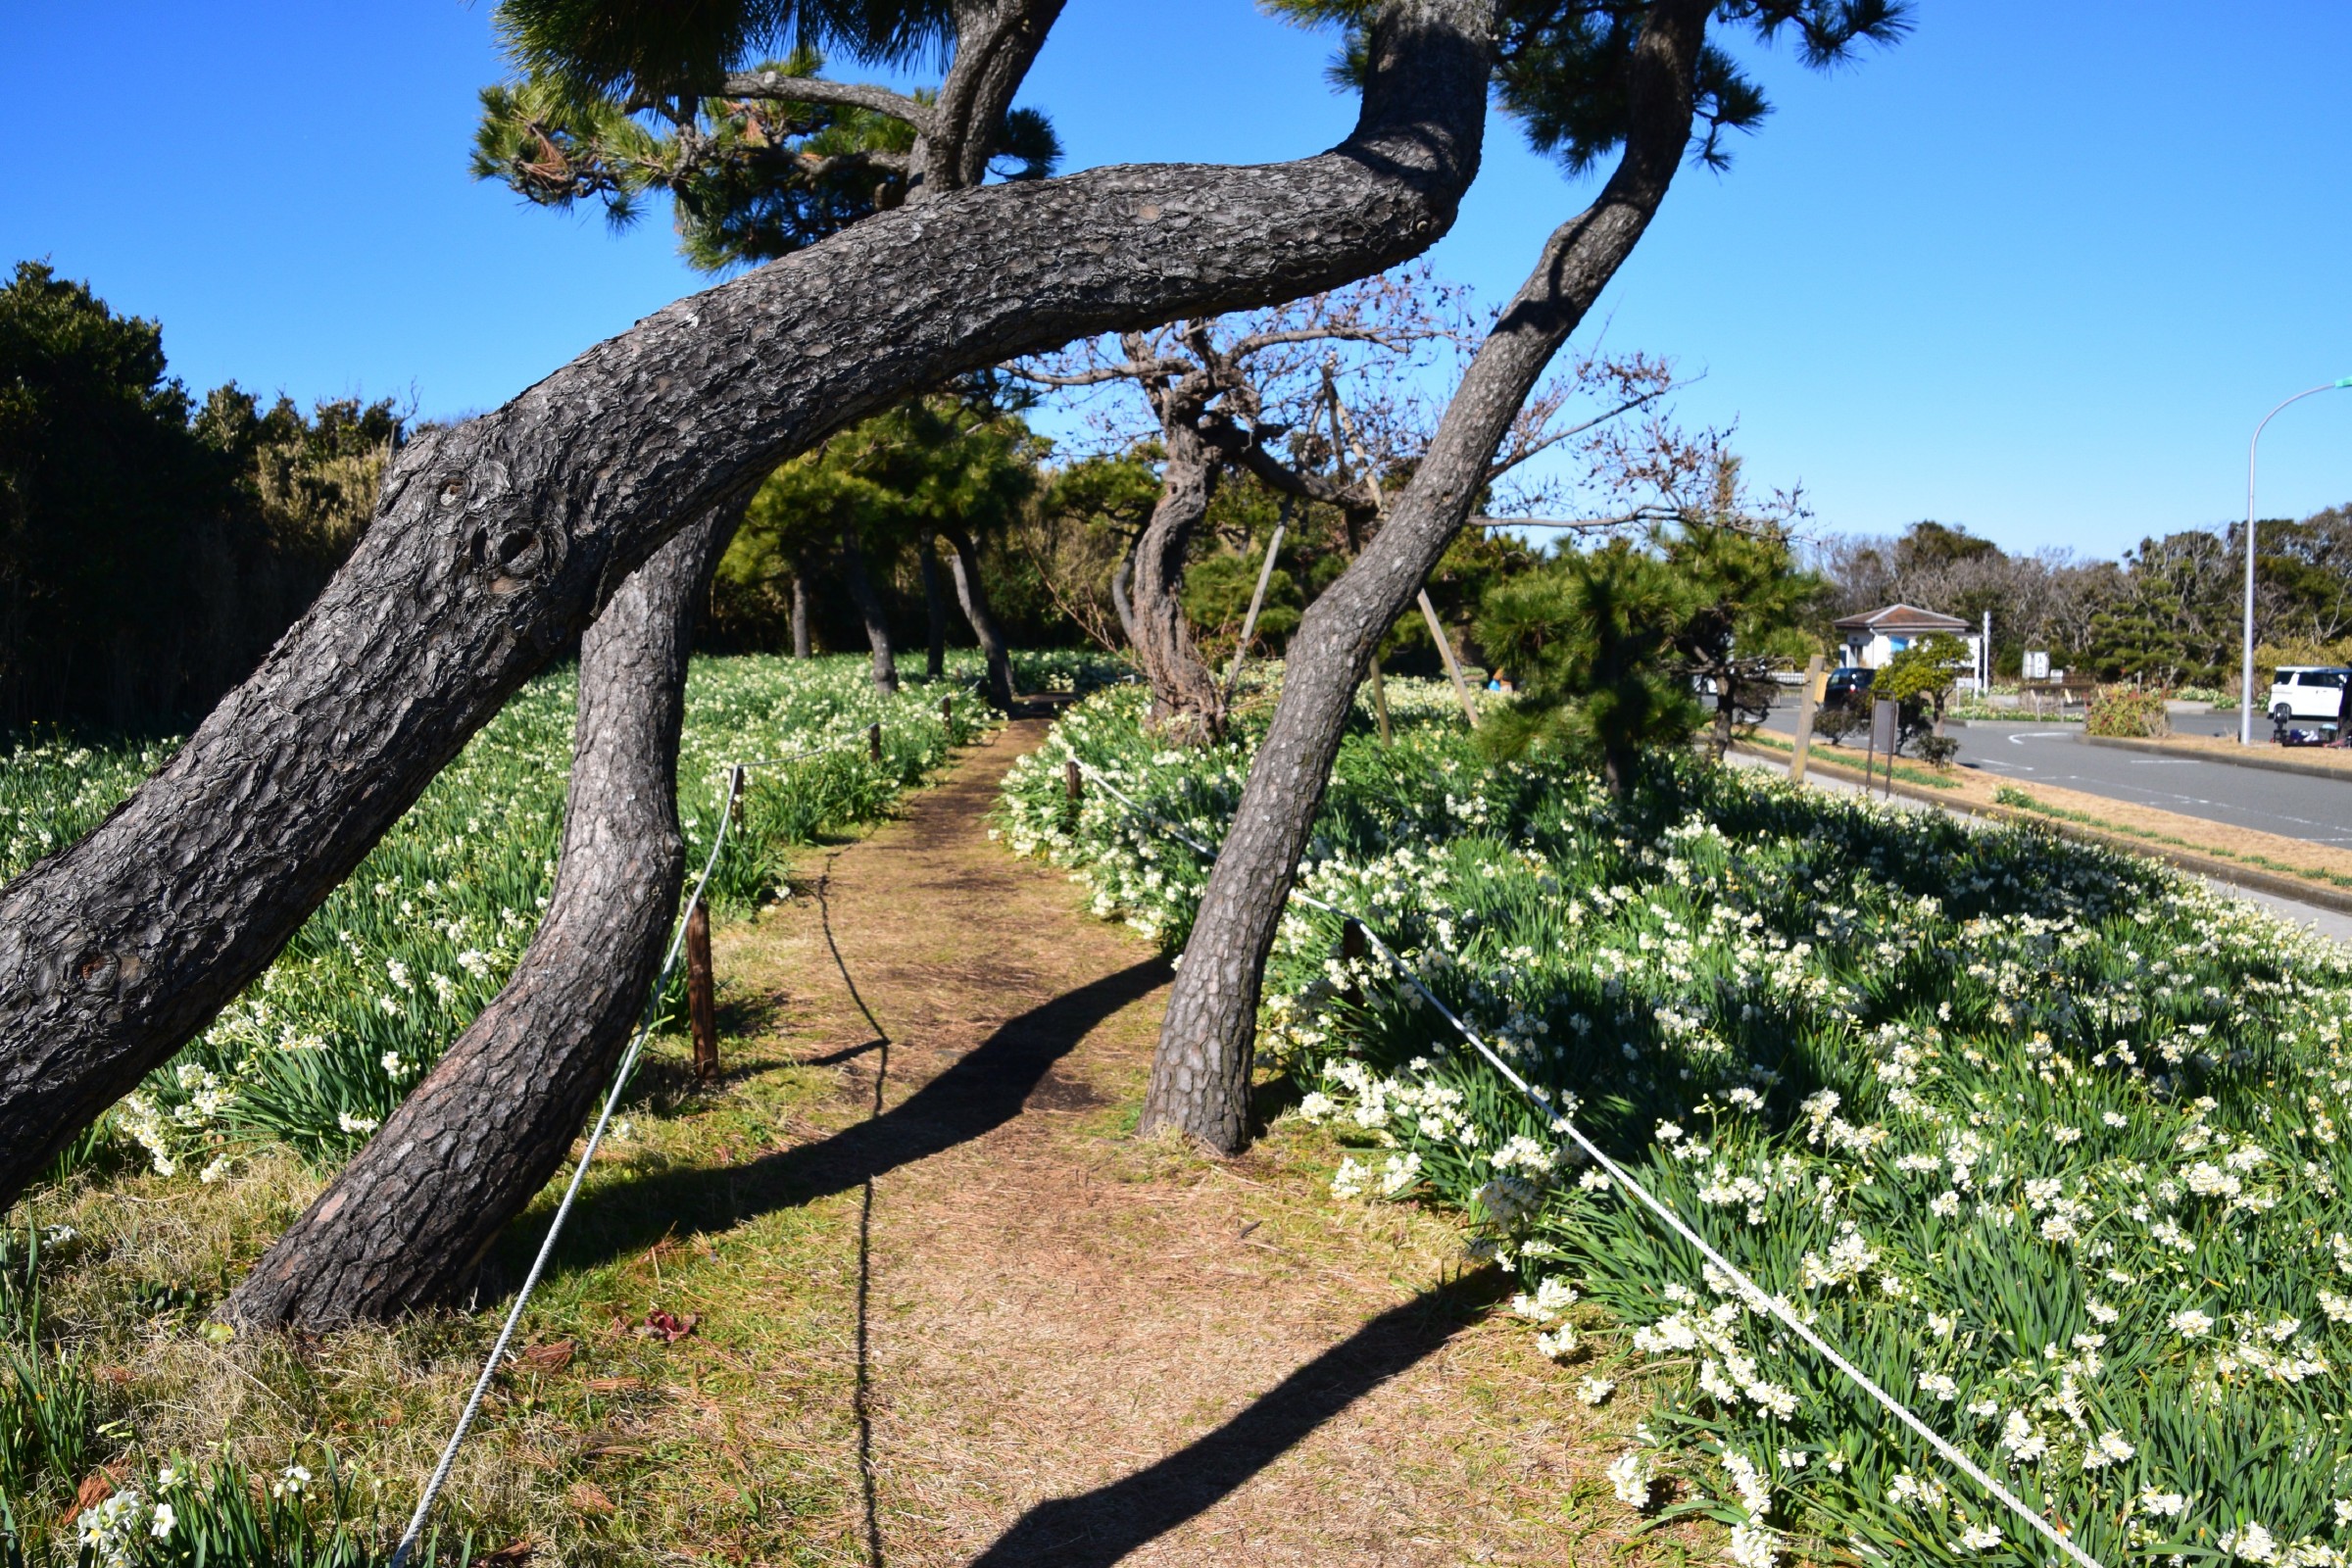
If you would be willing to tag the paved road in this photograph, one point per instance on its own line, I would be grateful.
(2294, 805)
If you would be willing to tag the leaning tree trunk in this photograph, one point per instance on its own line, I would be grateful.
(496, 542)
(1200, 1072)
(972, 594)
(934, 611)
(1187, 701)
(1120, 576)
(869, 610)
(407, 1222)
(802, 646)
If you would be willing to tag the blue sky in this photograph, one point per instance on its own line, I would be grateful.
(2037, 271)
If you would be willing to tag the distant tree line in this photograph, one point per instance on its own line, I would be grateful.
(2168, 614)
(153, 545)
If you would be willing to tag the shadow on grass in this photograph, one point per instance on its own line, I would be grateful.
(984, 1090)
(1100, 1527)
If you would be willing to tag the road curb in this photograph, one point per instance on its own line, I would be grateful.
(2274, 764)
(2318, 896)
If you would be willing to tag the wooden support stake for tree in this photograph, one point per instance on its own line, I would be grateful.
(1257, 602)
(1352, 948)
(1380, 698)
(1453, 668)
(701, 1001)
(873, 743)
(1804, 720)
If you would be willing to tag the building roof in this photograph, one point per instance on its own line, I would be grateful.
(1902, 617)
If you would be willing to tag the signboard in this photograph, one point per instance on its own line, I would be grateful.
(1882, 726)
(2037, 664)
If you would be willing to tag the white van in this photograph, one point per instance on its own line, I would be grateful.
(2308, 690)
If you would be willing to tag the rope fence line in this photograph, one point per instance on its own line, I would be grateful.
(1751, 1293)
(872, 743)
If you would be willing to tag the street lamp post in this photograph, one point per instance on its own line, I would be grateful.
(2245, 701)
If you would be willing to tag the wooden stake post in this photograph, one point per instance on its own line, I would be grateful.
(1453, 668)
(873, 743)
(1351, 946)
(701, 1001)
(1806, 706)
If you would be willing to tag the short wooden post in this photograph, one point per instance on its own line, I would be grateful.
(1380, 698)
(1805, 707)
(1072, 780)
(735, 798)
(1352, 948)
(701, 1001)
(946, 711)
(873, 743)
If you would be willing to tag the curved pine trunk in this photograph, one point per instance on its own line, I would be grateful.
(801, 645)
(407, 1222)
(934, 611)
(869, 610)
(1122, 575)
(1187, 701)
(972, 594)
(496, 543)
(1200, 1072)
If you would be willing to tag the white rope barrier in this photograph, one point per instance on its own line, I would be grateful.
(555, 1229)
(1753, 1293)
(621, 1082)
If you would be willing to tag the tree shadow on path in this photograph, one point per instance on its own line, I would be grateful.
(981, 1092)
(1098, 1527)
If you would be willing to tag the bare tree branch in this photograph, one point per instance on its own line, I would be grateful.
(818, 90)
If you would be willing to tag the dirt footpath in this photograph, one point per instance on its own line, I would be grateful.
(1081, 1347)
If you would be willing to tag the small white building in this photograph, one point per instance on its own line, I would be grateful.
(1871, 640)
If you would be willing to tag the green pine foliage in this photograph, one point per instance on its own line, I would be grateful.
(942, 462)
(152, 547)
(1560, 65)
(1609, 647)
(1588, 640)
(616, 105)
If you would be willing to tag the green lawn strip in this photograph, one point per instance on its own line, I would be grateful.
(2011, 795)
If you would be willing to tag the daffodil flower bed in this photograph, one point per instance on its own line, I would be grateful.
(397, 960)
(2046, 1139)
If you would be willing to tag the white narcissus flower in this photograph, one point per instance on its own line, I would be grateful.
(1633, 1476)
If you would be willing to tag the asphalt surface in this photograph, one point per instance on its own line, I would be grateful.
(2293, 805)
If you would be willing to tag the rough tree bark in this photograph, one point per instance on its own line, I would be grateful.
(972, 594)
(995, 43)
(1200, 1072)
(407, 1222)
(496, 542)
(801, 645)
(935, 611)
(860, 584)
(1186, 699)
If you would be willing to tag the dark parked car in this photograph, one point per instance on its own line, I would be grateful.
(1846, 682)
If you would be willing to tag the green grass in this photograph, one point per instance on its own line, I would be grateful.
(2020, 800)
